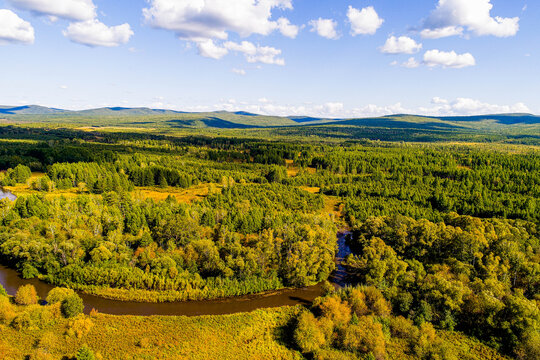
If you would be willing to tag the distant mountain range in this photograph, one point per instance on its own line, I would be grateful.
(126, 117)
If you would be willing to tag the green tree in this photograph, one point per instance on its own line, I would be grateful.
(85, 353)
(3, 291)
(72, 306)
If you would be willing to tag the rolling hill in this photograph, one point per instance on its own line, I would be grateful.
(522, 128)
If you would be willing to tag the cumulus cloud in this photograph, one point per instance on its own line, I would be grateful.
(287, 29)
(441, 32)
(400, 45)
(76, 10)
(253, 53)
(95, 33)
(466, 106)
(365, 21)
(14, 30)
(256, 53)
(209, 49)
(326, 28)
(213, 19)
(434, 58)
(412, 63)
(438, 107)
(451, 17)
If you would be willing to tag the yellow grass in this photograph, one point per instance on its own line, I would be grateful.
(182, 195)
(292, 170)
(313, 190)
(255, 335)
(26, 189)
(262, 334)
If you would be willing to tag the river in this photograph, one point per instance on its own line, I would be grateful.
(11, 281)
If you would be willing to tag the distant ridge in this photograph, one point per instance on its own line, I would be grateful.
(244, 119)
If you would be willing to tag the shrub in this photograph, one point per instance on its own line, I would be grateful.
(335, 309)
(7, 310)
(376, 302)
(72, 306)
(403, 328)
(366, 337)
(308, 335)
(85, 353)
(79, 327)
(26, 295)
(3, 291)
(58, 295)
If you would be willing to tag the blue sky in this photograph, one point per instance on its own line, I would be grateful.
(284, 57)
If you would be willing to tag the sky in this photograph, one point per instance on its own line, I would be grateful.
(338, 58)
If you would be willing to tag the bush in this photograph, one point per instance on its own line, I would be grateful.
(58, 295)
(335, 309)
(26, 295)
(308, 335)
(366, 337)
(85, 353)
(72, 306)
(403, 328)
(3, 291)
(7, 310)
(79, 327)
(41, 316)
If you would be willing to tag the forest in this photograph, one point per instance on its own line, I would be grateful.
(445, 236)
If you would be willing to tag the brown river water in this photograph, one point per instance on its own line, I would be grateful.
(11, 281)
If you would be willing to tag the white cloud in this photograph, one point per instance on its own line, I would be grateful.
(466, 106)
(95, 33)
(434, 58)
(256, 53)
(199, 20)
(287, 29)
(400, 45)
(437, 101)
(411, 63)
(438, 107)
(441, 32)
(365, 21)
(13, 29)
(239, 71)
(452, 16)
(77, 10)
(325, 28)
(471, 106)
(209, 49)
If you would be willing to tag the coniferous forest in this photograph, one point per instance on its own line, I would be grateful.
(444, 241)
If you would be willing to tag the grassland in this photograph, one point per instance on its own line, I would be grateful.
(263, 334)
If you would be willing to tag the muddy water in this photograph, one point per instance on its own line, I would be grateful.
(11, 281)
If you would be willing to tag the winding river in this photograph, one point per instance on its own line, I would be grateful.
(11, 281)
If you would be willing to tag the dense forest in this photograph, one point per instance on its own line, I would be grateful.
(444, 235)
